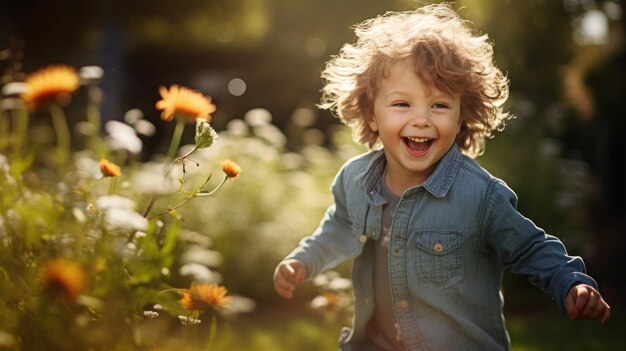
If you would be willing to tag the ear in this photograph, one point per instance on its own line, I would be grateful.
(372, 124)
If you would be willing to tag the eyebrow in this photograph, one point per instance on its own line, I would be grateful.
(431, 92)
(395, 92)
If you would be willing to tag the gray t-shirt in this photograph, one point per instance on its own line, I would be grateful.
(383, 328)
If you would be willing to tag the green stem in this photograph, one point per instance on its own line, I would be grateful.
(62, 133)
(209, 193)
(112, 185)
(153, 198)
(212, 332)
(150, 204)
(176, 138)
(196, 331)
(93, 114)
(183, 157)
(21, 116)
(95, 120)
(4, 129)
(172, 289)
(20, 125)
(191, 196)
(187, 199)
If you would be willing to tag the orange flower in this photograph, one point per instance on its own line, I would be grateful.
(202, 297)
(331, 298)
(109, 169)
(51, 83)
(63, 278)
(185, 102)
(231, 169)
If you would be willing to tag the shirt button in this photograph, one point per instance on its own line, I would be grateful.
(398, 253)
(402, 305)
(438, 247)
(362, 239)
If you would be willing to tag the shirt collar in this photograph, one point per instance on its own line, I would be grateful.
(438, 183)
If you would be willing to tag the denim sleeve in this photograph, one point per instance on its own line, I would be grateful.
(523, 248)
(333, 241)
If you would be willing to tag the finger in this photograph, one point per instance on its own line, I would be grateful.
(300, 274)
(284, 289)
(606, 315)
(289, 268)
(581, 298)
(592, 307)
(596, 313)
(283, 282)
(287, 271)
(285, 293)
(284, 285)
(569, 305)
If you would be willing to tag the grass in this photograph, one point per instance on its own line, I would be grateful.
(553, 331)
(298, 329)
(279, 330)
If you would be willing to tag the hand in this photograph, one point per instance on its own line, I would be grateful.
(287, 276)
(585, 302)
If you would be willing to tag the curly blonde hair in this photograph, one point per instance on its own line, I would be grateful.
(445, 53)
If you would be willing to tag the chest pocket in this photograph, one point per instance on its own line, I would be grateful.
(437, 255)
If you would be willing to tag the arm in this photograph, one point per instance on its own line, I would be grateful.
(332, 243)
(521, 247)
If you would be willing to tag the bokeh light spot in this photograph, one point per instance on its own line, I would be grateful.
(237, 87)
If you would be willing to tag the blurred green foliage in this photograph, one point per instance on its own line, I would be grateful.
(93, 258)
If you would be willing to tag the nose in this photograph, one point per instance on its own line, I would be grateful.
(420, 118)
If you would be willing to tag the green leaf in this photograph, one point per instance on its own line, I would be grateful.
(205, 134)
(169, 244)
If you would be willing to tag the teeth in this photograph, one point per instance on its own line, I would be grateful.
(418, 140)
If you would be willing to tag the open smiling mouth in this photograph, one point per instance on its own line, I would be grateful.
(417, 145)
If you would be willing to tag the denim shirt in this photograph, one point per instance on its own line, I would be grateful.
(453, 236)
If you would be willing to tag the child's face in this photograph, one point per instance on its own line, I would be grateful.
(416, 123)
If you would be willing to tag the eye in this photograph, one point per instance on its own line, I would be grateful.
(440, 105)
(400, 104)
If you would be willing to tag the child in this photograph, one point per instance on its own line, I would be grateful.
(430, 231)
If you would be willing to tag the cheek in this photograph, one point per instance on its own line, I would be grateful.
(459, 124)
(452, 128)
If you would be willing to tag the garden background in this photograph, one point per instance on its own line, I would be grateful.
(260, 63)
